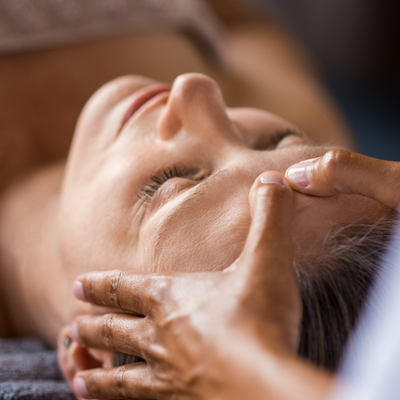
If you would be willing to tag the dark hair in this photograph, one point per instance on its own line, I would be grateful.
(333, 287)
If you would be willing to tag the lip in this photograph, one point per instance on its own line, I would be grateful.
(142, 97)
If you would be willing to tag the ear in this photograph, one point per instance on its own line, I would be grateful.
(74, 357)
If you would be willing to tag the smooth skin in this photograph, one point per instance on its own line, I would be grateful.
(263, 67)
(220, 344)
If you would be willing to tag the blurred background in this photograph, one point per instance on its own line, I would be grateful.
(356, 44)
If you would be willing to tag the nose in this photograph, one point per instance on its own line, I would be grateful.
(196, 104)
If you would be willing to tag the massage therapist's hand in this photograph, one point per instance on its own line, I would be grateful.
(226, 335)
(341, 171)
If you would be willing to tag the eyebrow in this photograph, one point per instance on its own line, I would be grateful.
(198, 189)
(204, 183)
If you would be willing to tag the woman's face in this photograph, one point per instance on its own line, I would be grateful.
(158, 179)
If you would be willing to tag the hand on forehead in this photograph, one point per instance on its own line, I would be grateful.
(345, 172)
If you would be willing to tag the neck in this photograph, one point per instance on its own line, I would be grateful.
(29, 261)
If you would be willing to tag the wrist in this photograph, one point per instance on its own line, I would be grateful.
(249, 369)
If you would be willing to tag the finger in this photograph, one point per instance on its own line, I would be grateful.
(272, 208)
(116, 332)
(341, 171)
(133, 381)
(141, 294)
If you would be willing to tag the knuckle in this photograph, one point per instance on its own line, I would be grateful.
(165, 390)
(158, 353)
(114, 285)
(335, 161)
(158, 292)
(107, 327)
(122, 382)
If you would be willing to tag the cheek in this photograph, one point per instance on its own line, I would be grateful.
(97, 223)
(196, 240)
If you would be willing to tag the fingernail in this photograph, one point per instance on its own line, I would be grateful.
(75, 332)
(299, 174)
(79, 387)
(271, 177)
(78, 291)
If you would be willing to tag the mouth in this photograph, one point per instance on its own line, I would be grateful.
(142, 98)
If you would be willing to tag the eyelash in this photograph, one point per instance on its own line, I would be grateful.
(288, 132)
(148, 192)
(270, 143)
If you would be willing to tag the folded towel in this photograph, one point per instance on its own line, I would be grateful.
(29, 371)
(35, 390)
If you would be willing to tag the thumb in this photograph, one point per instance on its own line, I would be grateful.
(272, 211)
(266, 264)
(341, 171)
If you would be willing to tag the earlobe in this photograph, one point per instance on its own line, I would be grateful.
(66, 361)
(73, 357)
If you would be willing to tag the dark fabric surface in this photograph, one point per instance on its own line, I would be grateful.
(29, 370)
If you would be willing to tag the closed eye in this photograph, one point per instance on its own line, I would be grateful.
(267, 142)
(148, 192)
(270, 142)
